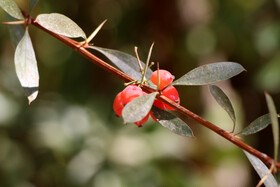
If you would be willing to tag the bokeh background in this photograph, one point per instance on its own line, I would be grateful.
(70, 135)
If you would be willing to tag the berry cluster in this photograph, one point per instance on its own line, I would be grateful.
(165, 79)
(133, 91)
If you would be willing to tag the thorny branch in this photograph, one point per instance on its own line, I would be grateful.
(225, 134)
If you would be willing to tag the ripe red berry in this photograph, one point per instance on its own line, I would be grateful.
(171, 93)
(139, 123)
(127, 95)
(166, 78)
(154, 118)
(131, 92)
(118, 104)
(159, 104)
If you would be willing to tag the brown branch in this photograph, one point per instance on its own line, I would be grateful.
(225, 134)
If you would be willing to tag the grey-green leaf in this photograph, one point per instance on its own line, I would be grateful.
(257, 125)
(223, 100)
(210, 73)
(11, 8)
(32, 4)
(262, 170)
(16, 31)
(26, 67)
(125, 62)
(172, 122)
(274, 123)
(60, 24)
(138, 108)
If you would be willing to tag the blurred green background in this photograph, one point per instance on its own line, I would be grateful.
(70, 135)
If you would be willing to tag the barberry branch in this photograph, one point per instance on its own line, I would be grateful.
(225, 134)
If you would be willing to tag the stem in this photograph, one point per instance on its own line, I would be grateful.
(225, 134)
(158, 77)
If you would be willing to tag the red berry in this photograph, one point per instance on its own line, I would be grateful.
(154, 118)
(166, 78)
(118, 104)
(159, 104)
(139, 123)
(131, 92)
(172, 94)
(127, 95)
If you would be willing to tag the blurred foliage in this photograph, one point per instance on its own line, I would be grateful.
(70, 136)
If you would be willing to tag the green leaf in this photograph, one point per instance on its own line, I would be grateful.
(262, 170)
(16, 31)
(223, 100)
(125, 62)
(210, 73)
(257, 125)
(26, 67)
(11, 8)
(274, 122)
(32, 4)
(172, 122)
(138, 108)
(60, 24)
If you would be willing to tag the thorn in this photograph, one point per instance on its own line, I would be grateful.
(147, 63)
(138, 59)
(14, 22)
(93, 34)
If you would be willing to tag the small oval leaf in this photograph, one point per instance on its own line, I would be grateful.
(274, 123)
(125, 62)
(60, 24)
(262, 170)
(172, 122)
(210, 73)
(11, 8)
(257, 125)
(32, 4)
(138, 108)
(223, 100)
(26, 67)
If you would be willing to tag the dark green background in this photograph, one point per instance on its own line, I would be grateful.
(70, 136)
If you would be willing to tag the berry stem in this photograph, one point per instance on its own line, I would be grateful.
(152, 63)
(225, 134)
(131, 82)
(158, 77)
